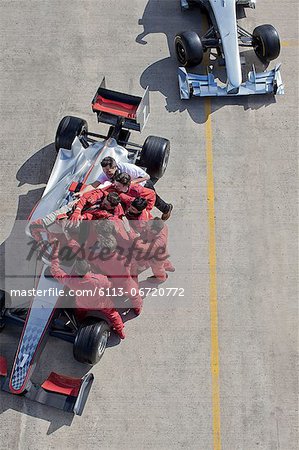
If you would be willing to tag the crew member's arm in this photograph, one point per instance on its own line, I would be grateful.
(97, 215)
(132, 234)
(94, 185)
(59, 274)
(150, 196)
(36, 229)
(140, 179)
(88, 188)
(137, 174)
(88, 198)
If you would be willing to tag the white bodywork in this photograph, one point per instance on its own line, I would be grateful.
(73, 165)
(225, 14)
(268, 82)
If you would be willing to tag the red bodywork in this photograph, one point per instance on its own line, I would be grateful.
(62, 384)
(114, 107)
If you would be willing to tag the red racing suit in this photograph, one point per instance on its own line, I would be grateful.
(89, 207)
(133, 192)
(117, 267)
(155, 253)
(90, 281)
(139, 223)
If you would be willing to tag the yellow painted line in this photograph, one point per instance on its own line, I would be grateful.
(213, 279)
(289, 43)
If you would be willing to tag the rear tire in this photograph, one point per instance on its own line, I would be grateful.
(188, 48)
(91, 341)
(154, 156)
(68, 128)
(266, 43)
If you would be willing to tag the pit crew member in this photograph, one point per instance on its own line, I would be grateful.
(154, 249)
(85, 279)
(105, 258)
(111, 169)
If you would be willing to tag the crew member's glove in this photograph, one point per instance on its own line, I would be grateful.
(74, 220)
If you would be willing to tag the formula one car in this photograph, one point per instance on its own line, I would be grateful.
(78, 160)
(226, 35)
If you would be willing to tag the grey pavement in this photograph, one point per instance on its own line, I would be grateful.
(153, 391)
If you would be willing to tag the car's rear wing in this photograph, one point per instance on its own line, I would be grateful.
(112, 107)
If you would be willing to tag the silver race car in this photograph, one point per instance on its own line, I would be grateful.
(226, 36)
(79, 154)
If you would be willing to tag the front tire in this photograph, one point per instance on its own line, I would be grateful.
(69, 128)
(188, 48)
(91, 341)
(155, 155)
(266, 43)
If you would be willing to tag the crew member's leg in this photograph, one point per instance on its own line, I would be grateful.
(168, 266)
(114, 317)
(160, 204)
(131, 289)
(159, 272)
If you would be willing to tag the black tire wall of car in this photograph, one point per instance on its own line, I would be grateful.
(68, 128)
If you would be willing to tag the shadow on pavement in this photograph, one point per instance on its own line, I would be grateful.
(161, 76)
(37, 169)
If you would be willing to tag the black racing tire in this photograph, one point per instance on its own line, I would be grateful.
(91, 341)
(188, 48)
(266, 43)
(155, 155)
(68, 128)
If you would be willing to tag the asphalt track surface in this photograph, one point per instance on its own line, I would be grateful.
(218, 369)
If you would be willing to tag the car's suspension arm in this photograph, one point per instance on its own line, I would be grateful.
(245, 38)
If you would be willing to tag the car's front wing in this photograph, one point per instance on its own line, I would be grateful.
(268, 82)
(58, 391)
